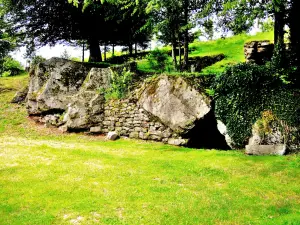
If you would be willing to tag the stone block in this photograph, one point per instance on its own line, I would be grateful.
(95, 129)
(134, 135)
(266, 149)
(177, 142)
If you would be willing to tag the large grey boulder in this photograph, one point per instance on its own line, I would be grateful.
(174, 102)
(53, 84)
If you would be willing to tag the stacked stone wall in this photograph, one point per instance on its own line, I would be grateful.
(130, 120)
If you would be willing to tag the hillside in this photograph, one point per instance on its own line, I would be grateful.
(232, 48)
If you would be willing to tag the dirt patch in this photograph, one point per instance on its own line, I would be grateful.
(52, 130)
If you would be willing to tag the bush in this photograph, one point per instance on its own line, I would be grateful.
(244, 91)
(158, 60)
(12, 67)
(120, 85)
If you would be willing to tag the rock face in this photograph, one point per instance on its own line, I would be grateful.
(258, 51)
(86, 108)
(175, 103)
(223, 130)
(70, 96)
(53, 84)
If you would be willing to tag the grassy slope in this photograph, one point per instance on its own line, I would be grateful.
(232, 48)
(52, 178)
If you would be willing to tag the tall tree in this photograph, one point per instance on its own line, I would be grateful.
(49, 22)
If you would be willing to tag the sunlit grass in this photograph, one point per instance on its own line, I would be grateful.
(232, 48)
(51, 178)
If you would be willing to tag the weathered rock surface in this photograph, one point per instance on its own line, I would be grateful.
(87, 107)
(20, 96)
(258, 51)
(177, 104)
(223, 130)
(266, 149)
(53, 84)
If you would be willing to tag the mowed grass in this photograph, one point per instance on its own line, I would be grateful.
(231, 47)
(51, 178)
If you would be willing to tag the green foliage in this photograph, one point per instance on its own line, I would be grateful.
(244, 91)
(37, 59)
(158, 60)
(11, 67)
(208, 29)
(267, 26)
(120, 85)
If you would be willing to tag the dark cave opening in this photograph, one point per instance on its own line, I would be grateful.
(205, 134)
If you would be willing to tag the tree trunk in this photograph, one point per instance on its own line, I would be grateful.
(279, 56)
(186, 33)
(113, 50)
(180, 57)
(83, 48)
(294, 19)
(174, 55)
(104, 52)
(95, 52)
(130, 49)
(135, 50)
(279, 12)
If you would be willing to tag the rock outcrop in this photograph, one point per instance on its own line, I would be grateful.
(70, 96)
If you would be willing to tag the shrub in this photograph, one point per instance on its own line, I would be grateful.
(11, 66)
(158, 60)
(120, 85)
(244, 91)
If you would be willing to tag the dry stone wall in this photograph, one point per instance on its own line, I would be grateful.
(130, 120)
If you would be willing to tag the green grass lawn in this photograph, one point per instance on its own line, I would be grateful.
(51, 178)
(232, 48)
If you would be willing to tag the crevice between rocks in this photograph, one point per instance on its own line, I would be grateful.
(205, 134)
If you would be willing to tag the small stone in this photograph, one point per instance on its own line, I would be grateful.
(155, 137)
(95, 129)
(137, 129)
(112, 136)
(165, 140)
(177, 142)
(156, 133)
(106, 123)
(143, 135)
(105, 130)
(134, 135)
(63, 129)
(152, 128)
